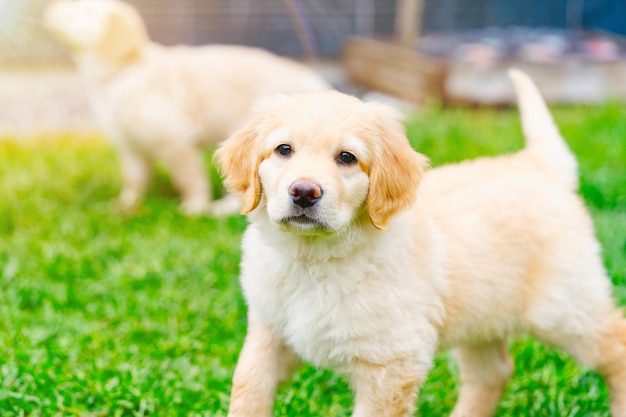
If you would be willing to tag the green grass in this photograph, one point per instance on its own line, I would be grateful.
(108, 315)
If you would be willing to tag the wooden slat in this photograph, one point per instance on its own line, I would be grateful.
(390, 68)
(408, 21)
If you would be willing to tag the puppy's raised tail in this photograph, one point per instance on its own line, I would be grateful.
(543, 140)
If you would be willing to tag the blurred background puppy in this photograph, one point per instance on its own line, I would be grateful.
(163, 104)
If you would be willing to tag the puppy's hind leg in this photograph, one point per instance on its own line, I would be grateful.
(613, 368)
(225, 206)
(485, 370)
(185, 164)
(573, 310)
(601, 346)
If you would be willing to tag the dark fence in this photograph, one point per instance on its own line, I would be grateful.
(288, 27)
(446, 15)
(296, 27)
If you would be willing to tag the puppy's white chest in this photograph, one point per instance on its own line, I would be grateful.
(331, 312)
(318, 321)
(306, 305)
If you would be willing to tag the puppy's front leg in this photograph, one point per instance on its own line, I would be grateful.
(388, 390)
(263, 363)
(136, 172)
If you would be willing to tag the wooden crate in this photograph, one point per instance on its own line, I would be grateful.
(388, 67)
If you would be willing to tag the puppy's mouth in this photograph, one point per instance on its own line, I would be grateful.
(303, 221)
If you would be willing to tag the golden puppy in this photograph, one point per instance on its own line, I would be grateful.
(348, 264)
(164, 103)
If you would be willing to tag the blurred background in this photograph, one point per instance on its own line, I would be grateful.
(279, 25)
(452, 50)
(104, 313)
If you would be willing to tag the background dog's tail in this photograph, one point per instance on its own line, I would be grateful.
(543, 139)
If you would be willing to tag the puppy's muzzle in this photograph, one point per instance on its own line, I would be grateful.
(305, 193)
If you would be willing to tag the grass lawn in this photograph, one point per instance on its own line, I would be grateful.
(107, 315)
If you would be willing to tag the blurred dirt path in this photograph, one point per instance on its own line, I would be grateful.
(42, 101)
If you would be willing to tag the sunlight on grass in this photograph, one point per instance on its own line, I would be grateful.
(142, 315)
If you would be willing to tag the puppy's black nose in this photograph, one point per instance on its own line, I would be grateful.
(305, 193)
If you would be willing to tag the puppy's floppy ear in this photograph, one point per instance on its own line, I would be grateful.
(238, 160)
(396, 169)
(239, 156)
(124, 35)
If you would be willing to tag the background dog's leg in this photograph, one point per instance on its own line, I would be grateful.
(225, 206)
(263, 362)
(385, 390)
(185, 165)
(136, 172)
(485, 371)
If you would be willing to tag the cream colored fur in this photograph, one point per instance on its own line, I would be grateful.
(370, 274)
(163, 104)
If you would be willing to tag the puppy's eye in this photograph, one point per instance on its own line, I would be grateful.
(346, 158)
(284, 149)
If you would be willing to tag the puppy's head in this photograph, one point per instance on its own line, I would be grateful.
(109, 28)
(316, 162)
